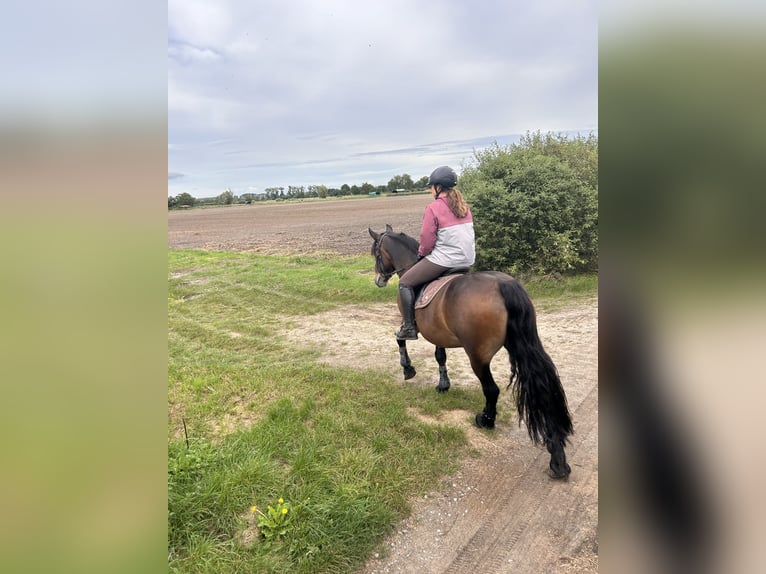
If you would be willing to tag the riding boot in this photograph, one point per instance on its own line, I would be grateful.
(408, 329)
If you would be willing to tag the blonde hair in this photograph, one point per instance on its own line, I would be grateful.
(456, 202)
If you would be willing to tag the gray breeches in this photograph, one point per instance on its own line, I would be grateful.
(420, 273)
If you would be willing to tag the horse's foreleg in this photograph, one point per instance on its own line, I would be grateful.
(486, 418)
(404, 360)
(441, 357)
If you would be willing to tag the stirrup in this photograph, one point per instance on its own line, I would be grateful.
(407, 332)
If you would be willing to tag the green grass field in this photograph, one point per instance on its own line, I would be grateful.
(253, 421)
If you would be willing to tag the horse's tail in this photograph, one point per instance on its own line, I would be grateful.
(540, 399)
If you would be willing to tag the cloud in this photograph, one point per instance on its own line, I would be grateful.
(313, 86)
(187, 54)
(172, 175)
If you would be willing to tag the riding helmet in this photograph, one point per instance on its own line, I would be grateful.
(444, 176)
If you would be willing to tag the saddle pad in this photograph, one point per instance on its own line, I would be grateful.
(430, 290)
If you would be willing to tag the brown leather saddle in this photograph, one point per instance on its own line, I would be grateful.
(429, 290)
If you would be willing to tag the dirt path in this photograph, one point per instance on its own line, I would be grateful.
(500, 513)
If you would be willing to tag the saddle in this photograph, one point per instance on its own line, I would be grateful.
(429, 290)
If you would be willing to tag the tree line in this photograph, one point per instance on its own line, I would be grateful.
(534, 203)
(398, 183)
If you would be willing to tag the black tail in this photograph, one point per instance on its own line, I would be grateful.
(540, 399)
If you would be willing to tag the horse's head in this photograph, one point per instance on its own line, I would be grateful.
(394, 253)
(384, 266)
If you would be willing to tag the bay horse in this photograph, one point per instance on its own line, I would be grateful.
(483, 312)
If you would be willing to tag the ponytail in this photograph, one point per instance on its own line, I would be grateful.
(456, 202)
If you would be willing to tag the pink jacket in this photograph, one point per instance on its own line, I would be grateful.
(445, 239)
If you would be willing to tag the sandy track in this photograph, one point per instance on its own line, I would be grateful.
(500, 512)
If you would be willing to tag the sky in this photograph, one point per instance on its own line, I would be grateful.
(304, 92)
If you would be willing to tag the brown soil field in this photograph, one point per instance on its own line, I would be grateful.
(500, 512)
(336, 226)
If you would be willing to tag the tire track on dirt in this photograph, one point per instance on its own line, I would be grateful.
(500, 512)
(514, 518)
(505, 535)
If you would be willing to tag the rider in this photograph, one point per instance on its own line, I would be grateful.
(446, 242)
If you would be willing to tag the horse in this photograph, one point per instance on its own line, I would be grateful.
(483, 312)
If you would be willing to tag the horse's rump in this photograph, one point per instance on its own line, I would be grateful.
(468, 311)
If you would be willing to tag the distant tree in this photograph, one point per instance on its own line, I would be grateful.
(353, 190)
(185, 199)
(296, 192)
(208, 201)
(403, 181)
(422, 183)
(226, 198)
(345, 189)
(366, 188)
(172, 202)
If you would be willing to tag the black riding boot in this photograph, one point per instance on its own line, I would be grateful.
(408, 329)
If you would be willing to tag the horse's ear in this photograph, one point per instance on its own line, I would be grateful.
(374, 235)
(389, 229)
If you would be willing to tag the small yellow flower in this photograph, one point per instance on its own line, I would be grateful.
(281, 500)
(284, 511)
(253, 509)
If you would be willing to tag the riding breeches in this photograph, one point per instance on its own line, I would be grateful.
(422, 272)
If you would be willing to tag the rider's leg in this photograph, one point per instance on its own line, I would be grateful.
(422, 272)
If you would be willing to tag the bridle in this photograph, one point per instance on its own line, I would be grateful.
(377, 250)
(379, 265)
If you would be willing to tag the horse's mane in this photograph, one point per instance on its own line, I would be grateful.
(409, 242)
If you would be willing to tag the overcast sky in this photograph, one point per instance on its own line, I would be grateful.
(329, 92)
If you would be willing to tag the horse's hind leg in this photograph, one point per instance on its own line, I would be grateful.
(404, 360)
(441, 357)
(559, 468)
(486, 418)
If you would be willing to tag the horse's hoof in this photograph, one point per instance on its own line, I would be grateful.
(560, 474)
(484, 422)
(441, 389)
(409, 372)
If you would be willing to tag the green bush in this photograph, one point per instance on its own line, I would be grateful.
(535, 205)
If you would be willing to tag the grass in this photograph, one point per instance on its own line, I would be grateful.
(265, 421)
(554, 293)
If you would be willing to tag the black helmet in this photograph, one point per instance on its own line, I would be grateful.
(444, 176)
